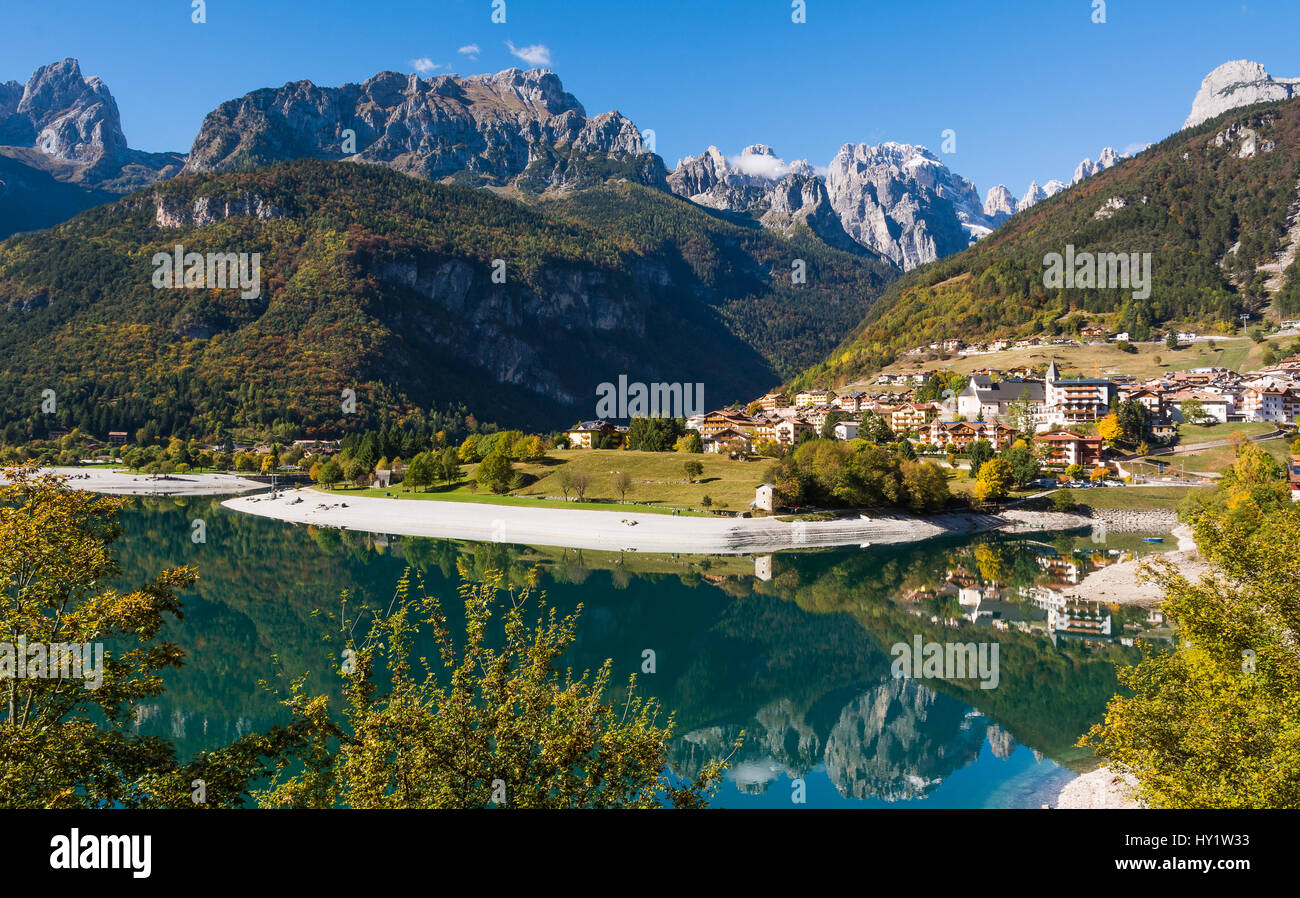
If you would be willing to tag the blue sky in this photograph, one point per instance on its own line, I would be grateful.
(1029, 88)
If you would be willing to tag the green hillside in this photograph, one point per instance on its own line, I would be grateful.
(381, 283)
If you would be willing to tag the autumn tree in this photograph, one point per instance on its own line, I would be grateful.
(491, 722)
(1109, 429)
(994, 480)
(1214, 722)
(69, 741)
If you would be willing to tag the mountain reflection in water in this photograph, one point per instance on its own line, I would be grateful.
(794, 649)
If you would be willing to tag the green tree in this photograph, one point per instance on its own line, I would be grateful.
(1193, 411)
(496, 726)
(330, 473)
(1024, 467)
(1063, 500)
(926, 485)
(979, 452)
(447, 466)
(420, 473)
(655, 434)
(692, 470)
(355, 470)
(495, 472)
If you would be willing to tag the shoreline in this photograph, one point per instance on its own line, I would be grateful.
(627, 531)
(621, 530)
(121, 482)
(1119, 583)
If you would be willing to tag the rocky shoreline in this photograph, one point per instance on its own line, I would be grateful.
(1103, 788)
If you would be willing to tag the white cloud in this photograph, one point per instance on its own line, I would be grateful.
(533, 54)
(1134, 148)
(470, 50)
(759, 165)
(424, 65)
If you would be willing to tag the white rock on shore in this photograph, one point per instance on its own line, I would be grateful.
(1103, 788)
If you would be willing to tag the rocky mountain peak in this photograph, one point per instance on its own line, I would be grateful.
(483, 129)
(65, 116)
(901, 201)
(801, 198)
(1035, 194)
(1238, 83)
(741, 183)
(999, 204)
(1087, 168)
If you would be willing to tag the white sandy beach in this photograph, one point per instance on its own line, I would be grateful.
(125, 483)
(1121, 584)
(609, 530)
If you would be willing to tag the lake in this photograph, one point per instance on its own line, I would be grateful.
(794, 648)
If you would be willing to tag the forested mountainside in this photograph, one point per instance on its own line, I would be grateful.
(1215, 205)
(381, 283)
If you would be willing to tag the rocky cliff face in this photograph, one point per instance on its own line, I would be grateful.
(482, 129)
(802, 199)
(743, 184)
(65, 116)
(1238, 83)
(62, 149)
(760, 184)
(898, 200)
(902, 202)
(177, 212)
(999, 204)
(72, 125)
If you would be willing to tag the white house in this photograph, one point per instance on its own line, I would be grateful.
(846, 430)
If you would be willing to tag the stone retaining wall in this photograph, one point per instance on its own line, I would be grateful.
(1127, 520)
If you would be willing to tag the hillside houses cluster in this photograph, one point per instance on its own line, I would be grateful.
(953, 346)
